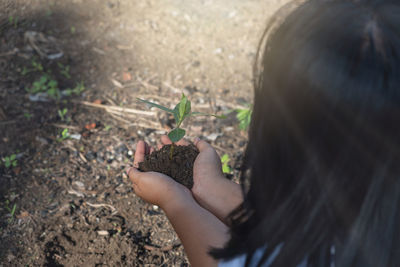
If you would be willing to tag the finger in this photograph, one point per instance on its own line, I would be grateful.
(134, 174)
(201, 144)
(182, 142)
(159, 146)
(151, 149)
(139, 153)
(166, 141)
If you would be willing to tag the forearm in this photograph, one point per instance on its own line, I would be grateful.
(198, 230)
(221, 198)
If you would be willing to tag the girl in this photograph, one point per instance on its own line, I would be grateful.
(321, 173)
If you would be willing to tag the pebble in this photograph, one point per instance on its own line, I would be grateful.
(79, 184)
(103, 232)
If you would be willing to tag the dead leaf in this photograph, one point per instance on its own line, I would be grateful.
(23, 214)
(126, 76)
(90, 126)
(97, 101)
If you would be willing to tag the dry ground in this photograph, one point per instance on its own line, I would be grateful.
(73, 204)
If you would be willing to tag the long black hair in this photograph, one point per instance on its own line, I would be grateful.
(323, 158)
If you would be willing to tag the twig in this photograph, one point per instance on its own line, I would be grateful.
(64, 126)
(9, 53)
(101, 206)
(120, 109)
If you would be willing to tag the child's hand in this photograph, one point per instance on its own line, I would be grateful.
(210, 188)
(154, 187)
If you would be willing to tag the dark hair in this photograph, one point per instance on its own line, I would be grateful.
(323, 156)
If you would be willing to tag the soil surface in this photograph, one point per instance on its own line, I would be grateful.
(70, 72)
(174, 161)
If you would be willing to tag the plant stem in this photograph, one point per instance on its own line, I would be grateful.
(171, 151)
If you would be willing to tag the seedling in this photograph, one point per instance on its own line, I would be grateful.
(225, 167)
(64, 70)
(79, 88)
(62, 114)
(11, 210)
(181, 111)
(10, 161)
(28, 115)
(47, 85)
(244, 117)
(64, 135)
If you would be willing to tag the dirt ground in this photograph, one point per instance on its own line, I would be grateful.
(70, 72)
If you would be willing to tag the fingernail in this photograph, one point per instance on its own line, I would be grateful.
(196, 139)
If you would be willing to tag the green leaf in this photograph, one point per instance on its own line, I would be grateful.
(176, 134)
(225, 158)
(176, 114)
(226, 168)
(184, 107)
(156, 105)
(13, 156)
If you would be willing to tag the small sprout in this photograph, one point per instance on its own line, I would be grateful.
(62, 114)
(73, 30)
(10, 161)
(181, 111)
(47, 85)
(225, 167)
(64, 135)
(107, 127)
(64, 70)
(28, 115)
(10, 210)
(78, 90)
(244, 117)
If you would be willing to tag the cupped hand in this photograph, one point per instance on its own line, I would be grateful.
(207, 167)
(153, 187)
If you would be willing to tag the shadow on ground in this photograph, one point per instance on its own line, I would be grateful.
(63, 198)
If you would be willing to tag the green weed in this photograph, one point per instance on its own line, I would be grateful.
(10, 161)
(244, 117)
(45, 84)
(62, 114)
(225, 167)
(64, 135)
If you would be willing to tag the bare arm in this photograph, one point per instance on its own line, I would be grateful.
(198, 229)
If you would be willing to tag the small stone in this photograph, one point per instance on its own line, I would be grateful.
(80, 185)
(102, 233)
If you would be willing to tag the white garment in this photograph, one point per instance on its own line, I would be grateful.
(240, 261)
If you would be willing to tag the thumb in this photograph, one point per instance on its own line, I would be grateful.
(133, 174)
(201, 144)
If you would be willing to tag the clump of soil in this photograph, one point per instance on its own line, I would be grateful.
(179, 167)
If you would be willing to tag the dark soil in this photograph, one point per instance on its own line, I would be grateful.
(179, 166)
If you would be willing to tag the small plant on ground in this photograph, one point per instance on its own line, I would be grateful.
(181, 111)
(64, 135)
(10, 161)
(10, 210)
(36, 66)
(244, 117)
(77, 90)
(62, 114)
(64, 70)
(225, 167)
(45, 84)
